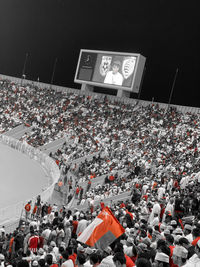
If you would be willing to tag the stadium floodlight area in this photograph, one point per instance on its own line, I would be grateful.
(111, 70)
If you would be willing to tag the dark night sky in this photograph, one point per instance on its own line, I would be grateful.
(166, 32)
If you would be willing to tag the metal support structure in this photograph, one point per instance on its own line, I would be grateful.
(172, 89)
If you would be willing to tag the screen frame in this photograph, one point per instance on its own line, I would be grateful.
(105, 85)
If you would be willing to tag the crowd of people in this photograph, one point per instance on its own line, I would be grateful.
(158, 150)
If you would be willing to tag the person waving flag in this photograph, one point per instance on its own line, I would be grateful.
(102, 231)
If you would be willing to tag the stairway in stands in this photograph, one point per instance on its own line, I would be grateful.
(18, 131)
(53, 146)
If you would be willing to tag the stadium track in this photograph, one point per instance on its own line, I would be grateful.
(20, 177)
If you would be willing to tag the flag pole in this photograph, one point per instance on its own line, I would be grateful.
(172, 89)
(24, 68)
(53, 73)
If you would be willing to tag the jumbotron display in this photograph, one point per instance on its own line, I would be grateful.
(110, 69)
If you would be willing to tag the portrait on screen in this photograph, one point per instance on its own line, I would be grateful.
(113, 76)
(114, 70)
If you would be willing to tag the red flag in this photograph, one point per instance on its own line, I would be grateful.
(102, 231)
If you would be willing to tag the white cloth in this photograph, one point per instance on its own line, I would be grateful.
(68, 263)
(194, 261)
(113, 78)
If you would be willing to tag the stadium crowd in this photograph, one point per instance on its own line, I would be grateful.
(158, 150)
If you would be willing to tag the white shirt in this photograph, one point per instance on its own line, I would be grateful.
(194, 261)
(113, 78)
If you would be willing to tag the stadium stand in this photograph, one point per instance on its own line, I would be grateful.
(138, 158)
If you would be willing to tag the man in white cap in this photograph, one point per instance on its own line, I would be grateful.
(179, 256)
(160, 258)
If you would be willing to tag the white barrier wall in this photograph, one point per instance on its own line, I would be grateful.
(9, 215)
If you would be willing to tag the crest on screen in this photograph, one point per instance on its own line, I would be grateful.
(128, 67)
(105, 65)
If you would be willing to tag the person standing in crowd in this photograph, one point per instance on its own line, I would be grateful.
(119, 260)
(33, 241)
(66, 261)
(28, 210)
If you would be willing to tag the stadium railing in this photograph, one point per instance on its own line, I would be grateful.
(100, 179)
(107, 201)
(9, 215)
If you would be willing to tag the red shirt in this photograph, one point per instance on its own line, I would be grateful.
(75, 225)
(111, 178)
(170, 257)
(28, 207)
(49, 209)
(176, 184)
(33, 243)
(129, 262)
(77, 190)
(102, 205)
(131, 215)
(10, 244)
(145, 197)
(122, 205)
(162, 212)
(73, 258)
(35, 209)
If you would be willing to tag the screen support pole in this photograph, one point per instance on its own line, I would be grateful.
(172, 89)
(87, 87)
(141, 84)
(24, 69)
(53, 73)
(123, 93)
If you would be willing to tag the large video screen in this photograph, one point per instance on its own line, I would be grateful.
(110, 69)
